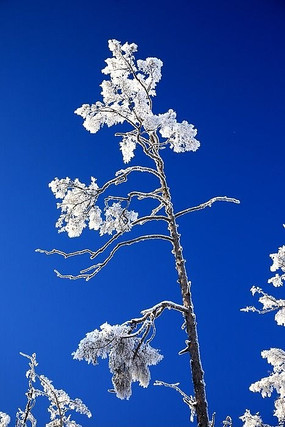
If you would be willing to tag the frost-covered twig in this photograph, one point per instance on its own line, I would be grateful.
(94, 254)
(189, 400)
(98, 267)
(228, 422)
(207, 204)
(65, 254)
(23, 416)
(158, 308)
(270, 303)
(60, 402)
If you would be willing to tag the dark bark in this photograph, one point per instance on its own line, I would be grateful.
(190, 318)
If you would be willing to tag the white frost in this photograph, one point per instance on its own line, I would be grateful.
(78, 208)
(250, 420)
(129, 358)
(4, 419)
(275, 381)
(127, 98)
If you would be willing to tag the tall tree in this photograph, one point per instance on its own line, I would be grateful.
(127, 98)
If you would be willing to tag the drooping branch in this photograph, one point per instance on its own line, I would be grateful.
(147, 322)
(98, 267)
(126, 243)
(207, 204)
(189, 400)
(94, 254)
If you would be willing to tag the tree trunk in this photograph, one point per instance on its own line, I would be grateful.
(190, 318)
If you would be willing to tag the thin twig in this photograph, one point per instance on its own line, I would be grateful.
(189, 400)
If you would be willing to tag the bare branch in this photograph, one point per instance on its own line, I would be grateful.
(207, 204)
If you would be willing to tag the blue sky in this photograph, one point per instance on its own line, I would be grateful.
(224, 72)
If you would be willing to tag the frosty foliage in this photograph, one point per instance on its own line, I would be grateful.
(78, 209)
(127, 98)
(129, 356)
(59, 401)
(250, 420)
(278, 264)
(4, 419)
(275, 381)
(269, 302)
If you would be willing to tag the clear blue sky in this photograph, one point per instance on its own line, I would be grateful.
(223, 71)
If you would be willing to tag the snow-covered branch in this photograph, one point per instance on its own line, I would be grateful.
(207, 204)
(270, 303)
(140, 195)
(128, 348)
(60, 402)
(129, 356)
(155, 311)
(274, 381)
(189, 400)
(94, 254)
(98, 267)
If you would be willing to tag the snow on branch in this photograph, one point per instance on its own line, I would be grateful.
(127, 98)
(128, 348)
(59, 401)
(275, 356)
(98, 267)
(129, 357)
(94, 254)
(189, 400)
(250, 420)
(269, 302)
(207, 204)
(4, 419)
(275, 381)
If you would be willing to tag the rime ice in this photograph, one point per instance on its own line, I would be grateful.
(129, 357)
